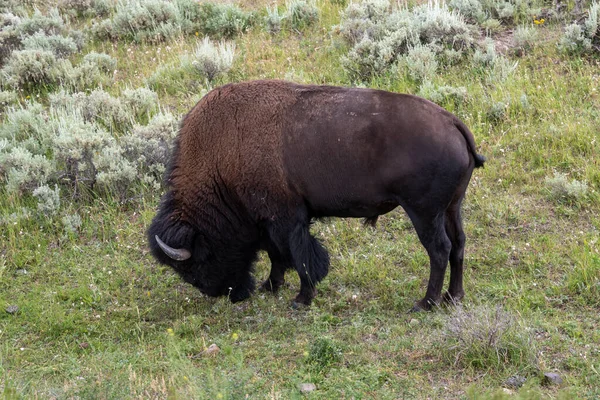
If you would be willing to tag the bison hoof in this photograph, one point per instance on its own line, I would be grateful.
(238, 295)
(301, 301)
(453, 299)
(270, 286)
(423, 305)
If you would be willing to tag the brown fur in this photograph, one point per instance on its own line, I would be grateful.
(256, 161)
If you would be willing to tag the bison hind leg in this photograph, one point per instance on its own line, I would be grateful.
(371, 221)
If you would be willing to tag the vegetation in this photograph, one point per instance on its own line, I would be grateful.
(89, 109)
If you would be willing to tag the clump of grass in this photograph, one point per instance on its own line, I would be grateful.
(486, 337)
(323, 354)
(561, 190)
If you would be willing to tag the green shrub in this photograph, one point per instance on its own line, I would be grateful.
(486, 338)
(30, 68)
(525, 38)
(224, 20)
(561, 190)
(141, 21)
(380, 37)
(7, 98)
(323, 354)
(86, 8)
(23, 170)
(211, 60)
(48, 199)
(61, 46)
(300, 14)
(583, 38)
(103, 62)
(421, 62)
(442, 94)
(273, 19)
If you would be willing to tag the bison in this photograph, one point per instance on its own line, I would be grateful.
(255, 162)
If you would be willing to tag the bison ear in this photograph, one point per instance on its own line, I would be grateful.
(175, 254)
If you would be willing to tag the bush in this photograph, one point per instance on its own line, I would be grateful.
(273, 20)
(525, 39)
(86, 143)
(30, 68)
(496, 68)
(24, 171)
(508, 12)
(48, 199)
(141, 21)
(61, 46)
(442, 94)
(224, 20)
(380, 37)
(561, 190)
(7, 98)
(583, 38)
(86, 8)
(487, 338)
(421, 62)
(300, 14)
(323, 354)
(211, 61)
(103, 62)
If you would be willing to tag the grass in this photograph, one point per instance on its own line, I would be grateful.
(98, 318)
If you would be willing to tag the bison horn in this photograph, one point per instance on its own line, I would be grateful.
(175, 254)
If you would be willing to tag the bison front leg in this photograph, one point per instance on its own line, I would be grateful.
(311, 261)
(279, 264)
(433, 236)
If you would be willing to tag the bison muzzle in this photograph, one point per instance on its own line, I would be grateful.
(254, 163)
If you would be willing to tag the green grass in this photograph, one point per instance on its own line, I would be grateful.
(99, 318)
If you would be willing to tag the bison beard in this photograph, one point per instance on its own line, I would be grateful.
(256, 162)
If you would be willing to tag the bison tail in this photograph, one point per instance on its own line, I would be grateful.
(468, 135)
(310, 257)
(479, 160)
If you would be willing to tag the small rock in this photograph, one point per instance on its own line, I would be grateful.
(307, 387)
(414, 322)
(515, 381)
(508, 391)
(84, 345)
(12, 309)
(21, 271)
(212, 350)
(552, 378)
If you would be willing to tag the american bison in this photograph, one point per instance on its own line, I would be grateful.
(255, 162)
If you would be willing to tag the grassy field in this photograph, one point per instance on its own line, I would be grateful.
(89, 314)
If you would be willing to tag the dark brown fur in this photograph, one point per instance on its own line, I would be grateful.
(255, 162)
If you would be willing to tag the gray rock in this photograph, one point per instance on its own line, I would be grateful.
(414, 322)
(307, 387)
(552, 378)
(515, 382)
(12, 309)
